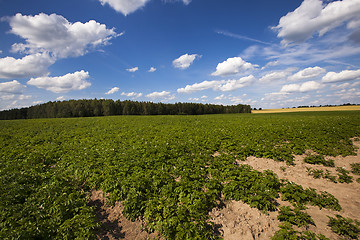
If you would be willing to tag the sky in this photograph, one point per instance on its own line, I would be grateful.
(268, 54)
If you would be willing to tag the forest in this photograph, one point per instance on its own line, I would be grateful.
(109, 107)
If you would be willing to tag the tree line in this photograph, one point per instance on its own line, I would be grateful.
(109, 107)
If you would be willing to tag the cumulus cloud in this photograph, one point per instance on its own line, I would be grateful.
(62, 84)
(55, 34)
(196, 87)
(221, 97)
(314, 16)
(125, 6)
(221, 85)
(231, 85)
(304, 87)
(112, 91)
(232, 66)
(161, 95)
(132, 94)
(310, 72)
(152, 69)
(13, 87)
(184, 61)
(29, 66)
(129, 6)
(134, 69)
(274, 76)
(343, 76)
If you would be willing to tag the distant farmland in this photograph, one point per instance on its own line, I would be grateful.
(309, 109)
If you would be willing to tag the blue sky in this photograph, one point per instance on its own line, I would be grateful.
(269, 54)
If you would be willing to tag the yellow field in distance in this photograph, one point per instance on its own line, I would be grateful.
(310, 109)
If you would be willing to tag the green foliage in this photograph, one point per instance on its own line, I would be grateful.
(298, 195)
(345, 227)
(319, 159)
(344, 176)
(286, 232)
(355, 168)
(319, 173)
(295, 216)
(316, 173)
(161, 167)
(328, 175)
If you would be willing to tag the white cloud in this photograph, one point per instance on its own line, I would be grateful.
(112, 91)
(232, 66)
(152, 69)
(221, 85)
(62, 84)
(196, 87)
(125, 6)
(194, 99)
(13, 87)
(184, 61)
(314, 16)
(134, 69)
(129, 6)
(304, 87)
(39, 102)
(274, 76)
(270, 64)
(231, 85)
(164, 95)
(54, 33)
(306, 73)
(61, 98)
(343, 76)
(132, 94)
(275, 96)
(221, 97)
(312, 52)
(29, 66)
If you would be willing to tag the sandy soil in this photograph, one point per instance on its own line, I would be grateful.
(239, 221)
(114, 224)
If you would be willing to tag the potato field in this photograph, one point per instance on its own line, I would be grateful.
(170, 172)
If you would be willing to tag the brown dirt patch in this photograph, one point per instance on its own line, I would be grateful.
(114, 224)
(238, 220)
